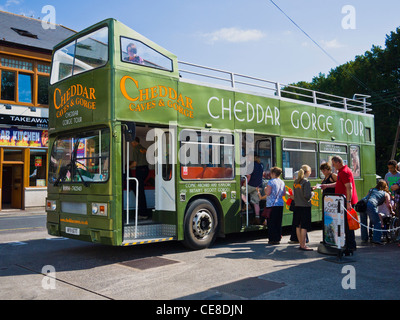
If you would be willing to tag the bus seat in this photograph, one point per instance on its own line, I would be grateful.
(211, 173)
(228, 173)
(190, 173)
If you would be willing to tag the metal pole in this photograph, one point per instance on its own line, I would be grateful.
(128, 178)
(127, 183)
(247, 202)
(137, 205)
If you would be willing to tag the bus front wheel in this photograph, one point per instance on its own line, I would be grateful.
(200, 225)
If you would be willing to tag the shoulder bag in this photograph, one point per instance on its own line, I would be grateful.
(361, 206)
(267, 210)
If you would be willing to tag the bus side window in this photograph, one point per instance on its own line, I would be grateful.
(136, 52)
(295, 153)
(206, 155)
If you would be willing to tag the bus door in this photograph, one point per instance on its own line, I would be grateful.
(263, 148)
(264, 151)
(165, 155)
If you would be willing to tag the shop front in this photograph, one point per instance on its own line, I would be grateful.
(23, 161)
(25, 63)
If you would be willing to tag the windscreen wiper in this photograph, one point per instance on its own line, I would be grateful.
(63, 173)
(71, 167)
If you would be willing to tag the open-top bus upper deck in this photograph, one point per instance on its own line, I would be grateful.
(144, 90)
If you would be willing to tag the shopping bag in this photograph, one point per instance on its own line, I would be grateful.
(352, 219)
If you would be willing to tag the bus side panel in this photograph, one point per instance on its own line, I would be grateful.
(146, 98)
(368, 169)
(75, 103)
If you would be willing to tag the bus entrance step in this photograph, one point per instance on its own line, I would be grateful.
(149, 231)
(134, 242)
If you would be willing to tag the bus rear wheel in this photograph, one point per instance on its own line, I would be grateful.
(200, 225)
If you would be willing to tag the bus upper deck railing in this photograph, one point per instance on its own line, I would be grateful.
(237, 81)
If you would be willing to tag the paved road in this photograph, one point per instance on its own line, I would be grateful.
(240, 267)
(19, 223)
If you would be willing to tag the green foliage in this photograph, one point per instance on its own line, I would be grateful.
(375, 73)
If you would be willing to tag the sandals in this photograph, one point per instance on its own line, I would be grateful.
(306, 249)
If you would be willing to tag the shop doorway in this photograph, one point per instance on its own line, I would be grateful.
(12, 186)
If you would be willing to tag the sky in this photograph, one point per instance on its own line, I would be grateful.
(247, 37)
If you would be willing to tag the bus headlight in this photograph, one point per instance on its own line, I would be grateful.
(99, 209)
(51, 205)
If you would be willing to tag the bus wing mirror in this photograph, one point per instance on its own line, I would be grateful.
(130, 131)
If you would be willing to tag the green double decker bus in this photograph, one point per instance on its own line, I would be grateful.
(198, 127)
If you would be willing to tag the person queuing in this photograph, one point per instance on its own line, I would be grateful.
(302, 195)
(345, 185)
(392, 176)
(274, 191)
(392, 179)
(330, 177)
(378, 196)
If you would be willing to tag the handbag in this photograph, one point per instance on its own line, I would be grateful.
(267, 210)
(292, 205)
(361, 206)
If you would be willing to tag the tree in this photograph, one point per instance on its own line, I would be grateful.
(375, 73)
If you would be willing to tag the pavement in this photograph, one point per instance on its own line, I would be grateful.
(19, 212)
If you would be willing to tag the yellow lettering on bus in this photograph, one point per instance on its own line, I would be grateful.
(144, 94)
(55, 98)
(123, 88)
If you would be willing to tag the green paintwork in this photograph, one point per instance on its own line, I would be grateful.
(122, 91)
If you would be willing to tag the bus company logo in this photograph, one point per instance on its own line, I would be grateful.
(75, 95)
(158, 96)
(75, 221)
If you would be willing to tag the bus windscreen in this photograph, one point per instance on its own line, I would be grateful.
(81, 158)
(84, 54)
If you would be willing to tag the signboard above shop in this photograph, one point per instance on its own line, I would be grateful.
(24, 138)
(14, 120)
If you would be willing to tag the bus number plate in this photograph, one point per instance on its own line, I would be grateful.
(74, 231)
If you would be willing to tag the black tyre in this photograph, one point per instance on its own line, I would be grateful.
(200, 225)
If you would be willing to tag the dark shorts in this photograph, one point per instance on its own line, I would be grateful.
(302, 217)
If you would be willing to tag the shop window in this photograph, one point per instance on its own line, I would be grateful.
(25, 88)
(17, 64)
(37, 168)
(44, 68)
(43, 90)
(29, 79)
(295, 154)
(7, 85)
(13, 155)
